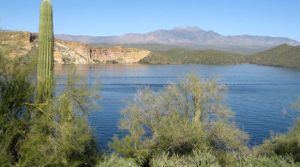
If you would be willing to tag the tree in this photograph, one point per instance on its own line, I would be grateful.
(177, 120)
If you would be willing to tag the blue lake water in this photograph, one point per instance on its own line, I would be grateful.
(260, 96)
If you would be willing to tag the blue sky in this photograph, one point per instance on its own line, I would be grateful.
(116, 17)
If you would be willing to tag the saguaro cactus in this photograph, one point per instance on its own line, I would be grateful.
(45, 53)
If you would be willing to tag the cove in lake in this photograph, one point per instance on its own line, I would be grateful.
(261, 97)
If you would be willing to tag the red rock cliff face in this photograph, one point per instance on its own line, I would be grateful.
(16, 44)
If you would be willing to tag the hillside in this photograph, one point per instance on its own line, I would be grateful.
(189, 37)
(186, 56)
(283, 56)
(16, 44)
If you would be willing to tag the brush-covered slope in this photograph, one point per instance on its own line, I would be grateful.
(187, 56)
(283, 56)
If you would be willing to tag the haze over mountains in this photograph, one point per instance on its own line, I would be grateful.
(188, 37)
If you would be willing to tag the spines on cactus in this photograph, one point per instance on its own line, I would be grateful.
(45, 53)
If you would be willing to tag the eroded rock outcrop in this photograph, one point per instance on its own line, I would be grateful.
(15, 44)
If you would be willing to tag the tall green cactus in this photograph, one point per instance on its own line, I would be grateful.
(45, 53)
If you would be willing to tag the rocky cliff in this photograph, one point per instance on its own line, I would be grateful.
(16, 44)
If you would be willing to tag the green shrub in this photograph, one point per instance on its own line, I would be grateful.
(116, 161)
(208, 159)
(15, 90)
(178, 120)
(42, 134)
(196, 159)
(263, 161)
(283, 145)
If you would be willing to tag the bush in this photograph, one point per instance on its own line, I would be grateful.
(42, 134)
(197, 159)
(115, 161)
(207, 159)
(263, 161)
(283, 145)
(178, 120)
(15, 90)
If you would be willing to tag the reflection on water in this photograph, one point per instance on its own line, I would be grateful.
(260, 96)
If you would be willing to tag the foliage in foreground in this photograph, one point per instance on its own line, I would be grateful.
(283, 145)
(42, 134)
(57, 134)
(203, 158)
(114, 160)
(178, 120)
(207, 159)
(166, 129)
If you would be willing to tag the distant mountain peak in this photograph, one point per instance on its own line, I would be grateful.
(189, 28)
(191, 37)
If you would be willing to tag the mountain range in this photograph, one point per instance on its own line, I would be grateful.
(188, 37)
(22, 44)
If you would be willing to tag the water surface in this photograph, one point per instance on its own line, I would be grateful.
(260, 96)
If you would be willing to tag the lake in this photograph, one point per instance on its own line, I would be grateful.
(261, 97)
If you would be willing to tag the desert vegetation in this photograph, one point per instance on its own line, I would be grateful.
(189, 125)
(189, 56)
(184, 124)
(282, 56)
(34, 133)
